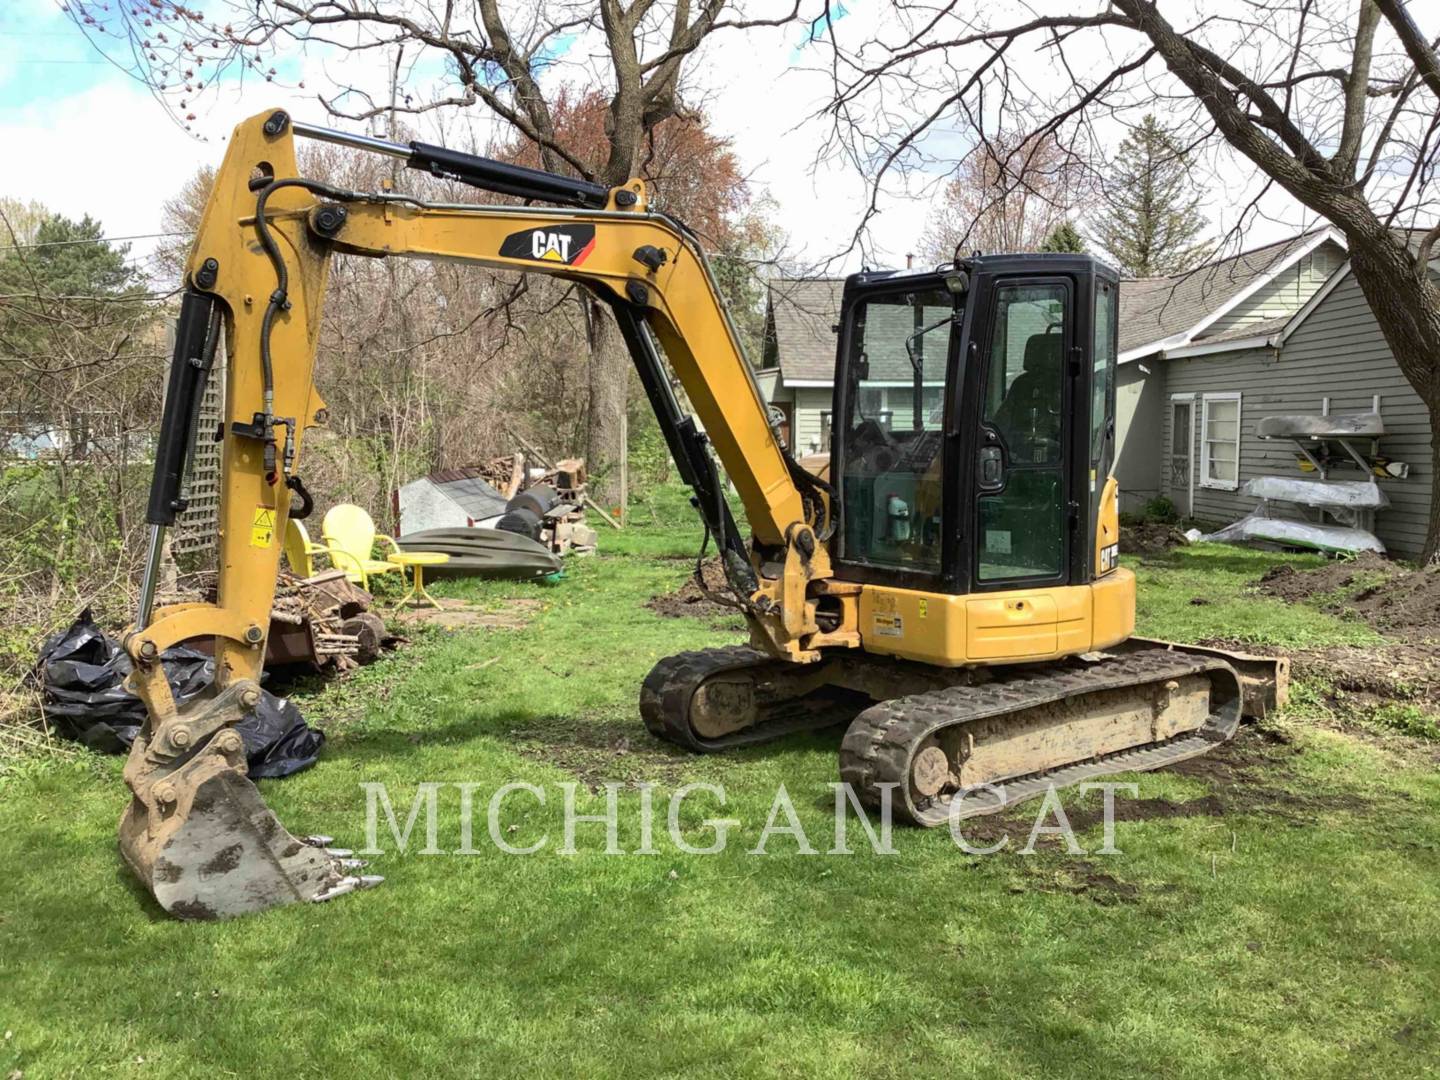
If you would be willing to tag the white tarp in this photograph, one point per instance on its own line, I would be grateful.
(1352, 494)
(1258, 526)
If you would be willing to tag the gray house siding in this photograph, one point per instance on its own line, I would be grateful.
(1139, 397)
(1337, 352)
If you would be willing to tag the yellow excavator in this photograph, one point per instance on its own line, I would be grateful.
(947, 580)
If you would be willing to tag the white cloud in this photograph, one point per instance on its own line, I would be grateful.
(112, 152)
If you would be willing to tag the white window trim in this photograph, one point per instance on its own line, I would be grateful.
(1206, 481)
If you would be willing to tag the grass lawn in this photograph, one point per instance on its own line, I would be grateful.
(1273, 913)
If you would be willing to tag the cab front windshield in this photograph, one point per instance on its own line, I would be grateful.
(891, 479)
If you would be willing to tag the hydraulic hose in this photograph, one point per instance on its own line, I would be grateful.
(279, 299)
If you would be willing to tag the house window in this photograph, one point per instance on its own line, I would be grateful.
(934, 407)
(1220, 441)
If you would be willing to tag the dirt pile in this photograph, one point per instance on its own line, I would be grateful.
(1392, 598)
(689, 599)
(1367, 679)
(1150, 538)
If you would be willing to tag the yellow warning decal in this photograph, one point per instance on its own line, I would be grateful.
(924, 607)
(262, 527)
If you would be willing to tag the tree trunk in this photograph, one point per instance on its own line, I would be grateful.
(609, 378)
(1406, 304)
(1431, 555)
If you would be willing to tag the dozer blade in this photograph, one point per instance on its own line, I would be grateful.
(1264, 680)
(200, 837)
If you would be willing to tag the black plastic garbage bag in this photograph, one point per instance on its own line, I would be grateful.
(82, 671)
(278, 742)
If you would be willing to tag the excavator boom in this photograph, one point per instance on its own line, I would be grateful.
(257, 275)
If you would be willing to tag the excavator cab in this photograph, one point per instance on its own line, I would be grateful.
(974, 423)
(973, 436)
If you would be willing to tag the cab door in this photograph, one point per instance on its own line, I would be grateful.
(1021, 503)
(892, 454)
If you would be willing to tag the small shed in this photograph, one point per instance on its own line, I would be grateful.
(447, 499)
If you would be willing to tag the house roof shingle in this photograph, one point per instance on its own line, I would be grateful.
(1264, 328)
(1152, 309)
(470, 491)
(802, 311)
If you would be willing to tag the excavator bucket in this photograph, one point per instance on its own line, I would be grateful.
(201, 838)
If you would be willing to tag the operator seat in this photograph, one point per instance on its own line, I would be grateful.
(1029, 417)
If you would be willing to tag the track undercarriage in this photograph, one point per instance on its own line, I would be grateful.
(985, 737)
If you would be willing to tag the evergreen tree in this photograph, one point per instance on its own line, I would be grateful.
(1064, 237)
(1152, 217)
(68, 258)
(72, 309)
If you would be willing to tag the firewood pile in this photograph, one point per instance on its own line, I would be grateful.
(325, 620)
(505, 474)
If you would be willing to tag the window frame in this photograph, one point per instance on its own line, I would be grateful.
(1206, 480)
(948, 578)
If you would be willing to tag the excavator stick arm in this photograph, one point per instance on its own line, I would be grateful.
(196, 830)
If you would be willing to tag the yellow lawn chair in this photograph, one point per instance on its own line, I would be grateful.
(349, 535)
(300, 550)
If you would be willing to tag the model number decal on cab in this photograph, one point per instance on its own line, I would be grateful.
(567, 244)
(1109, 558)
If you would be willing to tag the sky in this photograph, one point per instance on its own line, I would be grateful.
(86, 138)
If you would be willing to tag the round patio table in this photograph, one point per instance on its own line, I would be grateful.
(418, 560)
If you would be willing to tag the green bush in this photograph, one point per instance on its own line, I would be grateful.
(1161, 509)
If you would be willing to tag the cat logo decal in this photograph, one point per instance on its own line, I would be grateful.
(567, 244)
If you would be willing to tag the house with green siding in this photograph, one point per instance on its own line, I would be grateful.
(799, 359)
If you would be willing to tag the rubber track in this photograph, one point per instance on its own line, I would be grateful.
(667, 691)
(880, 743)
